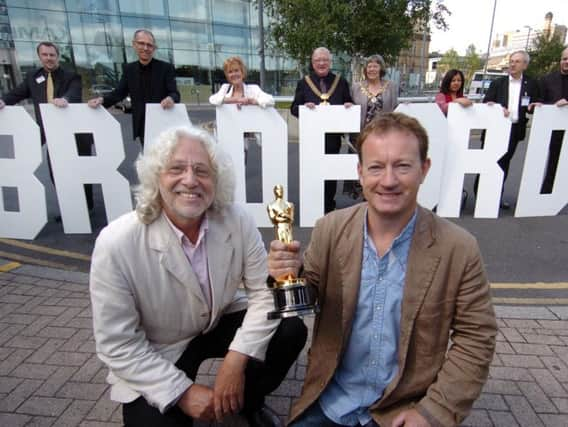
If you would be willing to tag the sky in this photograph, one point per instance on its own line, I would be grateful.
(470, 21)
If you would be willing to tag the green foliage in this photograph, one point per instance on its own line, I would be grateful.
(449, 60)
(545, 54)
(357, 27)
(471, 63)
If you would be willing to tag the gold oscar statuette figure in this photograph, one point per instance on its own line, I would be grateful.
(291, 296)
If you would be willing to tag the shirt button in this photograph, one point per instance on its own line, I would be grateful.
(373, 363)
(375, 336)
(379, 307)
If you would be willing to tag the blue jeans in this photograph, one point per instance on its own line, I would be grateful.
(314, 417)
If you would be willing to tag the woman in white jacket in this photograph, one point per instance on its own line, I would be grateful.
(237, 91)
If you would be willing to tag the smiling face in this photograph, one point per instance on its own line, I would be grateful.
(390, 172)
(321, 62)
(373, 71)
(564, 61)
(187, 184)
(48, 57)
(517, 64)
(456, 84)
(235, 75)
(144, 45)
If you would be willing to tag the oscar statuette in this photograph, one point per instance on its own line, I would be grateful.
(291, 295)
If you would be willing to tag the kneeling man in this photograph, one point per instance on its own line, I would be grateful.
(166, 295)
(406, 329)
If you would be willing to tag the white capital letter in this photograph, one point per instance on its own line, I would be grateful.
(159, 120)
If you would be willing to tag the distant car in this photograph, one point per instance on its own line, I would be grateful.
(103, 89)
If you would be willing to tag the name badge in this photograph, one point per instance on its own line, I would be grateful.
(40, 79)
(525, 101)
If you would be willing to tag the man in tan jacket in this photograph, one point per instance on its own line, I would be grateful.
(406, 329)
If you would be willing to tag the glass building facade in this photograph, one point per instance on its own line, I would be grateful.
(95, 39)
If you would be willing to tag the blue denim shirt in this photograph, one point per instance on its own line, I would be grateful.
(370, 361)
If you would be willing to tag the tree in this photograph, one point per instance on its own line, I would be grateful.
(471, 63)
(449, 60)
(545, 54)
(357, 27)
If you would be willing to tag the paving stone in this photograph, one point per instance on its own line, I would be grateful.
(54, 274)
(87, 312)
(31, 307)
(41, 422)
(490, 401)
(77, 340)
(560, 311)
(15, 299)
(477, 418)
(13, 420)
(74, 302)
(88, 370)
(48, 310)
(5, 352)
(561, 404)
(55, 381)
(512, 335)
(66, 316)
(45, 406)
(99, 424)
(556, 367)
(7, 384)
(10, 332)
(503, 419)
(523, 412)
(45, 351)
(20, 278)
(67, 358)
(33, 371)
(289, 388)
(103, 409)
(83, 391)
(534, 349)
(501, 387)
(521, 316)
(40, 323)
(13, 360)
(280, 404)
(100, 377)
(21, 319)
(57, 332)
(75, 413)
(537, 398)
(8, 308)
(503, 347)
(561, 352)
(19, 395)
(542, 339)
(521, 360)
(548, 383)
(88, 347)
(551, 420)
(510, 373)
(554, 324)
(81, 323)
(117, 415)
(26, 342)
(53, 300)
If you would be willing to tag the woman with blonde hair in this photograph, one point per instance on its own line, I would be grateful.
(236, 91)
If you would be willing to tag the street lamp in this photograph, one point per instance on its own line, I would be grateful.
(528, 36)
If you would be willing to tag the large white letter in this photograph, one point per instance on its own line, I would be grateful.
(431, 118)
(71, 171)
(19, 172)
(530, 202)
(315, 165)
(460, 159)
(159, 120)
(232, 123)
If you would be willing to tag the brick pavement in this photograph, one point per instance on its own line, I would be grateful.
(50, 375)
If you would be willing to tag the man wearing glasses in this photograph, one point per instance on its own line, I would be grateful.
(147, 80)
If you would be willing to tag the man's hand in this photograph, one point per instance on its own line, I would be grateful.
(197, 402)
(348, 104)
(534, 104)
(506, 112)
(60, 102)
(284, 259)
(167, 103)
(95, 102)
(310, 105)
(229, 390)
(2, 104)
(410, 418)
(560, 103)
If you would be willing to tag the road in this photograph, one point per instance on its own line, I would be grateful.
(518, 252)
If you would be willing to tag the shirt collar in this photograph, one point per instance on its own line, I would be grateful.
(512, 79)
(404, 235)
(182, 238)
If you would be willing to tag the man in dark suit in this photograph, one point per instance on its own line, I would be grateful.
(554, 90)
(147, 80)
(51, 84)
(516, 93)
(321, 86)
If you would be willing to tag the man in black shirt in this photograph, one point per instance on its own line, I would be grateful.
(147, 80)
(321, 86)
(554, 90)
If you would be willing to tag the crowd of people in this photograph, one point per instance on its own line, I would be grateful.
(405, 331)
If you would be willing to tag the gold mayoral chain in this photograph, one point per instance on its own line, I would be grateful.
(370, 96)
(323, 96)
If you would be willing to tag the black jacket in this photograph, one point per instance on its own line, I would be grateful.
(66, 84)
(304, 94)
(551, 87)
(163, 84)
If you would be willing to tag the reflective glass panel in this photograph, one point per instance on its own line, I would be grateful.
(35, 25)
(190, 9)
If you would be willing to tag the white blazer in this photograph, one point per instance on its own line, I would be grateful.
(148, 305)
(250, 91)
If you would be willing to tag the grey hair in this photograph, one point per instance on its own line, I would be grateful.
(150, 165)
(322, 49)
(379, 60)
(144, 31)
(524, 53)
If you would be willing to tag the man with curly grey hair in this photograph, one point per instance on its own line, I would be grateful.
(166, 295)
